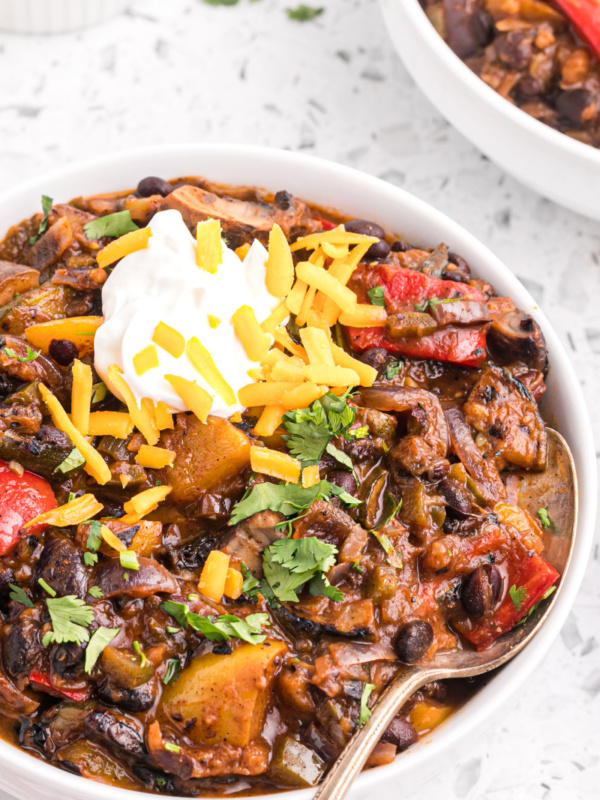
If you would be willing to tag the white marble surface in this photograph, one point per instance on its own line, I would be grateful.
(186, 71)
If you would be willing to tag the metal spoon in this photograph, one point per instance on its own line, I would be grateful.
(556, 488)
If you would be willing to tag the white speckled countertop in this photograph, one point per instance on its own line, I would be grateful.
(186, 71)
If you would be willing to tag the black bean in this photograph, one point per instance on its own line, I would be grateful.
(283, 200)
(152, 185)
(62, 351)
(401, 733)
(461, 270)
(67, 661)
(379, 250)
(456, 496)
(414, 640)
(401, 247)
(365, 227)
(342, 479)
(437, 690)
(116, 731)
(377, 357)
(515, 48)
(571, 105)
(480, 590)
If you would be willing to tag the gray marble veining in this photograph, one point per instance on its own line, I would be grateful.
(188, 71)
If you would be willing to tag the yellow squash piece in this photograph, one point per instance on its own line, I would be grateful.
(264, 394)
(169, 339)
(254, 340)
(326, 283)
(366, 374)
(234, 583)
(110, 423)
(143, 421)
(123, 246)
(276, 464)
(79, 330)
(146, 359)
(336, 236)
(310, 476)
(364, 316)
(332, 376)
(94, 463)
(275, 318)
(154, 457)
(427, 716)
(302, 396)
(269, 420)
(317, 345)
(203, 362)
(195, 397)
(81, 396)
(226, 695)
(213, 575)
(209, 250)
(72, 513)
(164, 418)
(280, 265)
(144, 502)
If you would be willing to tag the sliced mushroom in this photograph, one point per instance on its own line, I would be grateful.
(516, 336)
(151, 578)
(16, 279)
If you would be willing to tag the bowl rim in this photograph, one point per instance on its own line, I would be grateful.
(506, 681)
(532, 126)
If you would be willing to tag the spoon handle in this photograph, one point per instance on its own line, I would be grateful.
(353, 757)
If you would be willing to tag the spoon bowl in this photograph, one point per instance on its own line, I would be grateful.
(555, 489)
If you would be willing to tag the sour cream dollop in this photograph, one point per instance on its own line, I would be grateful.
(163, 283)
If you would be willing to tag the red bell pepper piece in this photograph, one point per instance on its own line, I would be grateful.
(585, 16)
(326, 224)
(43, 683)
(531, 577)
(23, 497)
(459, 345)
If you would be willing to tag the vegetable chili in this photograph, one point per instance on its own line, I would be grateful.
(209, 606)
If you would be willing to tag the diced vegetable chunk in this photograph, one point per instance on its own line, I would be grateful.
(214, 575)
(295, 764)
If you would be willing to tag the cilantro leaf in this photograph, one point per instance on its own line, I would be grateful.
(251, 584)
(319, 585)
(517, 596)
(288, 499)
(70, 619)
(173, 668)
(359, 433)
(30, 355)
(19, 596)
(393, 368)
(89, 559)
(339, 456)
(545, 518)
(377, 296)
(98, 641)
(96, 591)
(290, 563)
(365, 711)
(545, 596)
(221, 628)
(311, 429)
(94, 539)
(113, 225)
(72, 461)
(304, 13)
(43, 226)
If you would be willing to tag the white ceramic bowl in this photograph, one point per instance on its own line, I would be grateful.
(362, 196)
(55, 16)
(546, 160)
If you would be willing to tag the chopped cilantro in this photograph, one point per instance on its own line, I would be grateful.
(290, 563)
(173, 668)
(129, 560)
(143, 658)
(377, 296)
(365, 711)
(113, 225)
(311, 429)
(356, 566)
(72, 461)
(339, 456)
(30, 355)
(98, 641)
(89, 559)
(545, 596)
(43, 226)
(96, 591)
(221, 628)
(94, 539)
(435, 301)
(172, 629)
(359, 433)
(393, 368)
(517, 596)
(251, 584)
(304, 13)
(545, 518)
(288, 499)
(172, 748)
(394, 558)
(70, 619)
(48, 589)
(193, 597)
(19, 596)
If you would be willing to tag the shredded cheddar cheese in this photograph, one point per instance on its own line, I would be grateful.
(123, 246)
(169, 339)
(72, 513)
